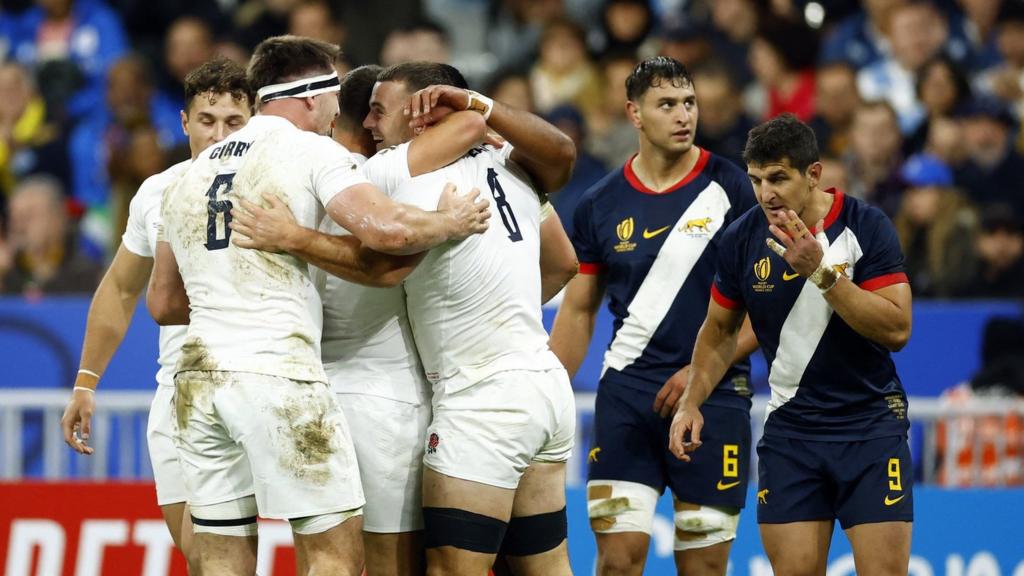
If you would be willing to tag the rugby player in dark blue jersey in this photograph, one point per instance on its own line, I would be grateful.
(821, 276)
(647, 236)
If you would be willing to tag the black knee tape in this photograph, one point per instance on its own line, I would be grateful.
(463, 530)
(529, 535)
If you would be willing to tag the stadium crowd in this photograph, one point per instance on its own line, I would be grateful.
(916, 104)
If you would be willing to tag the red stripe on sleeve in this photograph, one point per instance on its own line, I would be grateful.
(591, 268)
(885, 280)
(723, 300)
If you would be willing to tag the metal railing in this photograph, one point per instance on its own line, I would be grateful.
(30, 422)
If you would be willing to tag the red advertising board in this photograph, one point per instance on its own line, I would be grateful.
(93, 529)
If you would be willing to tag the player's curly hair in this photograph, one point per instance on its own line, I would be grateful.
(283, 58)
(652, 72)
(354, 97)
(217, 76)
(419, 75)
(782, 137)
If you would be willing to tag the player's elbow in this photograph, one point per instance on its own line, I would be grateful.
(165, 309)
(474, 127)
(898, 338)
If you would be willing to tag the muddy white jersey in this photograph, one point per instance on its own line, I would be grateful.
(253, 311)
(139, 238)
(474, 305)
(367, 343)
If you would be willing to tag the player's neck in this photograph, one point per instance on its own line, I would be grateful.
(819, 206)
(660, 170)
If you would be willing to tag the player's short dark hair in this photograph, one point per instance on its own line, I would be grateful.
(283, 58)
(419, 75)
(217, 76)
(651, 72)
(782, 138)
(354, 97)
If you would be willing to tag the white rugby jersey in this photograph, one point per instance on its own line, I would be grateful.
(474, 305)
(253, 311)
(139, 238)
(367, 343)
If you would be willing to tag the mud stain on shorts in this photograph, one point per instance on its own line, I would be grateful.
(312, 435)
(197, 377)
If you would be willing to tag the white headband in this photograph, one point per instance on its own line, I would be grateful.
(301, 88)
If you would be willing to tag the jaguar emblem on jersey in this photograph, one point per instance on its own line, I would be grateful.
(697, 225)
(625, 231)
(841, 268)
(762, 270)
(432, 443)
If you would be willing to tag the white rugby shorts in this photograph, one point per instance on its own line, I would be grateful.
(170, 485)
(388, 436)
(491, 431)
(285, 441)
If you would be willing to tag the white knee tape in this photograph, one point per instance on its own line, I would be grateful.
(322, 522)
(232, 518)
(705, 526)
(617, 506)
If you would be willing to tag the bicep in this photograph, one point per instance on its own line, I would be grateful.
(584, 293)
(130, 271)
(724, 320)
(899, 295)
(358, 207)
(554, 243)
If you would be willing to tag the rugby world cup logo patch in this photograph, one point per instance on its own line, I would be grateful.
(625, 231)
(762, 270)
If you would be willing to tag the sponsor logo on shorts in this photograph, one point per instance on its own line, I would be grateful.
(722, 485)
(890, 501)
(762, 496)
(432, 443)
(592, 457)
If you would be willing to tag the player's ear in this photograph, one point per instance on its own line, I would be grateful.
(184, 122)
(633, 113)
(814, 174)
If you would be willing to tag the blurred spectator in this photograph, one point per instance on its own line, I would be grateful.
(978, 29)
(833, 174)
(515, 28)
(1005, 79)
(946, 142)
(986, 450)
(874, 156)
(232, 50)
(512, 88)
(943, 90)
(836, 101)
(28, 143)
(683, 41)
(105, 138)
(189, 43)
(587, 170)
(999, 246)
(735, 25)
(563, 73)
(917, 32)
(256, 20)
(44, 257)
(782, 59)
(316, 19)
(723, 122)
(862, 38)
(994, 170)
(71, 44)
(936, 227)
(420, 42)
(611, 136)
(625, 25)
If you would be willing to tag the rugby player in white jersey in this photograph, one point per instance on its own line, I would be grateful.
(258, 430)
(547, 155)
(217, 103)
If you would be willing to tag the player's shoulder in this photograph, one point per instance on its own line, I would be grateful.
(612, 187)
(858, 214)
(750, 224)
(154, 186)
(726, 173)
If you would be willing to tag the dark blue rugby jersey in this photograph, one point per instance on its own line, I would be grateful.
(827, 381)
(658, 252)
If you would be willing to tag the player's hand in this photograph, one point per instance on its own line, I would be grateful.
(469, 213)
(665, 401)
(268, 229)
(801, 250)
(688, 419)
(494, 139)
(77, 421)
(422, 102)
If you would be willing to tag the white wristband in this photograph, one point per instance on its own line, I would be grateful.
(83, 388)
(88, 373)
(480, 103)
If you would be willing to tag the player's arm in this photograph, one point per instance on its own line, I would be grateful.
(574, 323)
(558, 263)
(166, 298)
(539, 147)
(274, 229)
(446, 141)
(110, 313)
(713, 353)
(882, 315)
(394, 228)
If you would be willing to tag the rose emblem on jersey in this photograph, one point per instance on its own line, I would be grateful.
(432, 443)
